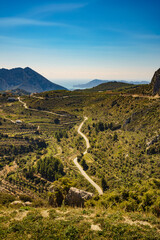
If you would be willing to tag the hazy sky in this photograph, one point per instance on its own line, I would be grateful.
(67, 40)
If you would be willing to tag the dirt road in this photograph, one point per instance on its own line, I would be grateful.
(99, 190)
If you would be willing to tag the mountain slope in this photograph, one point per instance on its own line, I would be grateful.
(26, 79)
(111, 86)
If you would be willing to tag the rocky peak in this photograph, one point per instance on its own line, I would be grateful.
(155, 83)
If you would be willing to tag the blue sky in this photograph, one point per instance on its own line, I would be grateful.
(82, 40)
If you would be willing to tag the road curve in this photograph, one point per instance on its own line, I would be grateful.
(99, 190)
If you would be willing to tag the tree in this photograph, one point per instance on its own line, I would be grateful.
(104, 184)
(56, 121)
(115, 137)
(84, 164)
(50, 168)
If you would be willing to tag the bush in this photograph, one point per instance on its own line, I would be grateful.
(104, 184)
(25, 198)
(71, 233)
(156, 208)
(56, 198)
(130, 205)
(147, 200)
(38, 203)
(56, 121)
(5, 198)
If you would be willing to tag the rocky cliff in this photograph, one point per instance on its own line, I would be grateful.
(155, 83)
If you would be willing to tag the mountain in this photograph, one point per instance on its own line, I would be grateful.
(97, 82)
(112, 86)
(26, 79)
(90, 84)
(155, 82)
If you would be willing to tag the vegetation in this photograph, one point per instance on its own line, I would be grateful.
(67, 223)
(37, 156)
(50, 168)
(118, 86)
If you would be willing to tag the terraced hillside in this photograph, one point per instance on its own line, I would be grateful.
(123, 158)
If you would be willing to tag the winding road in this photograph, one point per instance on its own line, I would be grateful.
(99, 190)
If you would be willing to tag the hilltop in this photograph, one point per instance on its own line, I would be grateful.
(26, 79)
(111, 86)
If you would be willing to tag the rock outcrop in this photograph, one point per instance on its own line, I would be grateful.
(77, 197)
(17, 204)
(155, 83)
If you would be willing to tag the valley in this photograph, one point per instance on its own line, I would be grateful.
(48, 147)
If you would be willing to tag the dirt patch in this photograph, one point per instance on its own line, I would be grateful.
(21, 215)
(45, 213)
(129, 221)
(95, 227)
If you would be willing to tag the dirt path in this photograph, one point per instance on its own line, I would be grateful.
(10, 120)
(141, 96)
(33, 109)
(99, 190)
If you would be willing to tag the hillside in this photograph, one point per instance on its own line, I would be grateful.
(41, 187)
(110, 86)
(26, 79)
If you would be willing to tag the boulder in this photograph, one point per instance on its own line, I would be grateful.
(17, 204)
(28, 204)
(77, 197)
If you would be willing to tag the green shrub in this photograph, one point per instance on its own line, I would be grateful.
(130, 205)
(56, 198)
(5, 198)
(16, 227)
(25, 198)
(148, 199)
(38, 203)
(156, 207)
(71, 233)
